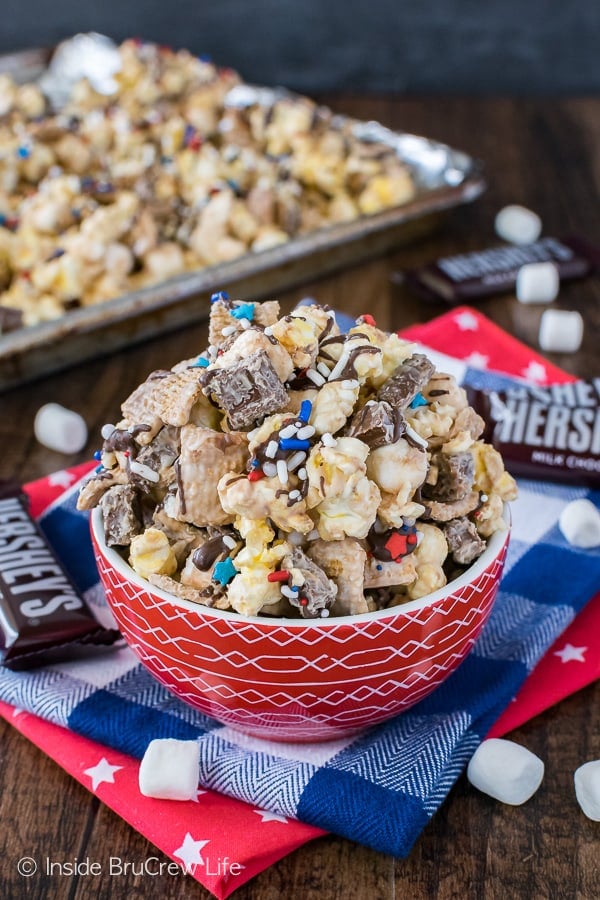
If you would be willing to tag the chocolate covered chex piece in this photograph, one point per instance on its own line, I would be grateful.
(455, 475)
(119, 514)
(464, 543)
(247, 390)
(406, 381)
(376, 424)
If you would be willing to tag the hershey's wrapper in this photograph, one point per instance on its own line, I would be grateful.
(43, 619)
(472, 276)
(545, 432)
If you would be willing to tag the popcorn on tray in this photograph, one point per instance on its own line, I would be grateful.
(290, 470)
(167, 171)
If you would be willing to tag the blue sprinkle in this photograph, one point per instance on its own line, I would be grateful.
(99, 469)
(305, 411)
(220, 295)
(2, 219)
(98, 454)
(255, 464)
(23, 152)
(379, 568)
(243, 311)
(201, 363)
(418, 400)
(293, 444)
(224, 571)
(205, 58)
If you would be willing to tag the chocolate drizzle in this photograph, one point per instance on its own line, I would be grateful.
(180, 491)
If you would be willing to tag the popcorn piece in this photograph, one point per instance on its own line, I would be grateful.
(150, 554)
(377, 424)
(398, 468)
(119, 515)
(333, 405)
(505, 771)
(490, 475)
(464, 543)
(316, 592)
(263, 499)
(454, 477)
(247, 390)
(205, 457)
(489, 516)
(60, 429)
(384, 574)
(406, 381)
(561, 331)
(429, 558)
(579, 521)
(299, 336)
(169, 769)
(344, 563)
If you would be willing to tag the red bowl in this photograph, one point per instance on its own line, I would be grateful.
(300, 680)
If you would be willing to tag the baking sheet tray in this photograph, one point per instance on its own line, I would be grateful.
(445, 178)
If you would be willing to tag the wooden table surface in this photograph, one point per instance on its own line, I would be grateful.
(546, 155)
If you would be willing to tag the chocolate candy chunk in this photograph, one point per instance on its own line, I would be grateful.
(406, 381)
(42, 617)
(456, 473)
(10, 319)
(248, 390)
(119, 507)
(315, 597)
(376, 424)
(464, 543)
(394, 544)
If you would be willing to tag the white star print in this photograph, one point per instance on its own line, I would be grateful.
(477, 360)
(466, 321)
(189, 852)
(102, 772)
(17, 711)
(535, 371)
(60, 479)
(267, 816)
(569, 652)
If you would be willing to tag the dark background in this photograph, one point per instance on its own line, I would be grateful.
(416, 46)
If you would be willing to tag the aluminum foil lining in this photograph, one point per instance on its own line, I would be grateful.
(92, 56)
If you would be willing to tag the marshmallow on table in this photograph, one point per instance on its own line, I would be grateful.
(561, 331)
(505, 771)
(537, 283)
(587, 789)
(518, 225)
(60, 429)
(169, 769)
(580, 523)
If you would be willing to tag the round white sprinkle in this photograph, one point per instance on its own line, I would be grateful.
(306, 432)
(282, 471)
(314, 376)
(484, 498)
(324, 613)
(245, 323)
(268, 331)
(288, 432)
(415, 437)
(580, 523)
(370, 403)
(60, 429)
(328, 440)
(229, 541)
(518, 225)
(295, 495)
(230, 329)
(302, 473)
(506, 771)
(350, 384)
(212, 351)
(294, 461)
(561, 331)
(143, 471)
(323, 369)
(288, 592)
(587, 789)
(270, 469)
(537, 283)
(106, 431)
(272, 448)
(313, 535)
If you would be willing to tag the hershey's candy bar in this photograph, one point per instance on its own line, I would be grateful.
(471, 276)
(545, 432)
(43, 619)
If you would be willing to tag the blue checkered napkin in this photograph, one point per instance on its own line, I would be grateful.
(381, 787)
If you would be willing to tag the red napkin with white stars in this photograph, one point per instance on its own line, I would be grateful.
(222, 842)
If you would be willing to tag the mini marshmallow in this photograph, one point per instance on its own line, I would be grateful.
(60, 429)
(537, 283)
(505, 771)
(169, 769)
(587, 789)
(518, 225)
(580, 523)
(561, 331)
